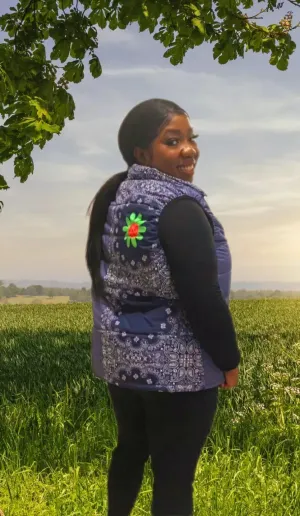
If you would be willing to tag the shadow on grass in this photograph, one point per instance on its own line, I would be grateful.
(31, 360)
(53, 412)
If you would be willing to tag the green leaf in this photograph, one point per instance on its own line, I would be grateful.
(95, 4)
(167, 39)
(50, 128)
(127, 221)
(169, 52)
(132, 217)
(199, 25)
(29, 121)
(142, 229)
(64, 50)
(61, 50)
(134, 243)
(283, 64)
(92, 32)
(74, 71)
(3, 183)
(217, 51)
(27, 148)
(273, 60)
(175, 59)
(95, 67)
(101, 19)
(197, 37)
(40, 110)
(223, 58)
(14, 119)
(256, 41)
(248, 3)
(195, 9)
(65, 4)
(113, 22)
(78, 49)
(23, 167)
(86, 3)
(64, 104)
(46, 89)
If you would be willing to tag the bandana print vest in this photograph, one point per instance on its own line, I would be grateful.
(141, 339)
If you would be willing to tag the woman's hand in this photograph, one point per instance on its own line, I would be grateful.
(231, 379)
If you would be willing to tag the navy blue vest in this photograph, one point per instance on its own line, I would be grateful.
(141, 338)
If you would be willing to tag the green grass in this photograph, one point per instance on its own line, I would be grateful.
(57, 429)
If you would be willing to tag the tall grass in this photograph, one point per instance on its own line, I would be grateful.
(57, 428)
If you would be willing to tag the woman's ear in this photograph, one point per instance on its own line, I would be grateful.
(142, 156)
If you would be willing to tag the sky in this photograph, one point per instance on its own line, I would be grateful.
(247, 114)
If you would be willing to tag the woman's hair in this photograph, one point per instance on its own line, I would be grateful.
(139, 128)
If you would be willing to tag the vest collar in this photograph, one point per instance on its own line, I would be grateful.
(147, 173)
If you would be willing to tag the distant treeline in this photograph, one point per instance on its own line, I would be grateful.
(264, 294)
(83, 295)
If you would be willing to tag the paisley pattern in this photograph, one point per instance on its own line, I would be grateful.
(142, 339)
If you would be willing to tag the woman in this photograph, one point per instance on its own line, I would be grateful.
(163, 336)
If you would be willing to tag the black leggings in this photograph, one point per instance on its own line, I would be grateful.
(171, 429)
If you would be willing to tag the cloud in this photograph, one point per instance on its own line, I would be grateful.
(131, 72)
(264, 185)
(218, 105)
(93, 136)
(245, 211)
(258, 204)
(114, 37)
(61, 174)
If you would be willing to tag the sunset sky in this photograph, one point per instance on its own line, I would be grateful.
(248, 116)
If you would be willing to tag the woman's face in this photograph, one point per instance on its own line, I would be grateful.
(174, 151)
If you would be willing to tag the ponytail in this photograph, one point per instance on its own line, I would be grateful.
(98, 213)
(138, 130)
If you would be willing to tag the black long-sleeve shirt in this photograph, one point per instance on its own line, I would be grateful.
(187, 239)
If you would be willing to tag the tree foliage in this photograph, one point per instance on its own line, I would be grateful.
(34, 97)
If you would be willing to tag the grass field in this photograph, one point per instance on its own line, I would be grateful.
(57, 430)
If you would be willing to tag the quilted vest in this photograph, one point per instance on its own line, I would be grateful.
(141, 337)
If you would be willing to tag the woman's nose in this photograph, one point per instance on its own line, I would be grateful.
(189, 151)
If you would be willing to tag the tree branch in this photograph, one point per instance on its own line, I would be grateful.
(26, 10)
(296, 4)
(255, 16)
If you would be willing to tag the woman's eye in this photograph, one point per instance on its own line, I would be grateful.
(172, 142)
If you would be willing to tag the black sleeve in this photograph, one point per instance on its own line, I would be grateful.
(187, 239)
